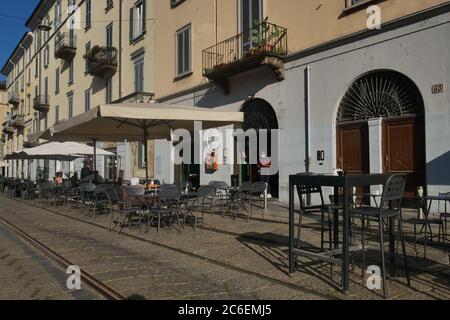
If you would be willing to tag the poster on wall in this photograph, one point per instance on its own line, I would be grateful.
(211, 163)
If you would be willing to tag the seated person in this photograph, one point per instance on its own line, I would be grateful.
(98, 179)
(74, 180)
(59, 179)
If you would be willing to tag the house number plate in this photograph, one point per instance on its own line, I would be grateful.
(437, 88)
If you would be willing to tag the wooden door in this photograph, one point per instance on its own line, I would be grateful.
(404, 151)
(353, 148)
(353, 152)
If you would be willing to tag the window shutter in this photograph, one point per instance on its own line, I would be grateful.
(141, 73)
(131, 24)
(144, 16)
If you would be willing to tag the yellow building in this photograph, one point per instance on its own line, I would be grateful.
(288, 64)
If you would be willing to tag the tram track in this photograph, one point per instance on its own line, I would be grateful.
(94, 284)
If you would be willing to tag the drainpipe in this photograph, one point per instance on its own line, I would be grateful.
(307, 125)
(307, 119)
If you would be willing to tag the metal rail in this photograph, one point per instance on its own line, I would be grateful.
(93, 283)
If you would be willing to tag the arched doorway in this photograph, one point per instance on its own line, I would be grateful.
(259, 115)
(396, 100)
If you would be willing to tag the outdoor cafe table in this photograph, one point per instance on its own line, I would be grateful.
(346, 183)
(426, 203)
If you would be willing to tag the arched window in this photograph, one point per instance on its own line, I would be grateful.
(380, 94)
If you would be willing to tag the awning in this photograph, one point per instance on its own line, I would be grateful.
(119, 122)
(58, 151)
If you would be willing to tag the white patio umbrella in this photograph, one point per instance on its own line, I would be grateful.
(138, 122)
(58, 151)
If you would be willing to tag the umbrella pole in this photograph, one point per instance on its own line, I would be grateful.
(146, 154)
(95, 154)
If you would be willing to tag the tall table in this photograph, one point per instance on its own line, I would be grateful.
(346, 183)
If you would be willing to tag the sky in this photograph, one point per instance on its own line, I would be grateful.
(13, 15)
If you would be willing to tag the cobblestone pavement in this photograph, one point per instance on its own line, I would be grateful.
(227, 259)
(25, 273)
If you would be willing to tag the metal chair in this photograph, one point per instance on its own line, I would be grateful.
(256, 195)
(308, 191)
(222, 195)
(389, 208)
(87, 196)
(203, 202)
(444, 215)
(101, 202)
(135, 203)
(168, 205)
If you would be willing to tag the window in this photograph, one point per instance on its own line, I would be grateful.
(109, 35)
(139, 74)
(71, 73)
(251, 15)
(36, 66)
(88, 48)
(46, 89)
(58, 13)
(356, 3)
(174, 3)
(56, 114)
(137, 20)
(29, 104)
(184, 51)
(108, 91)
(87, 100)
(70, 104)
(46, 56)
(88, 14)
(57, 81)
(109, 4)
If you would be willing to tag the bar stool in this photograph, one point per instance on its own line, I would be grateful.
(324, 209)
(389, 208)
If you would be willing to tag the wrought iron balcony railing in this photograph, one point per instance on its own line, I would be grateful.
(230, 56)
(102, 61)
(41, 103)
(65, 46)
(14, 98)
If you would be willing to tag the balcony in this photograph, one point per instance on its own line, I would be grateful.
(65, 46)
(18, 122)
(14, 98)
(102, 61)
(41, 103)
(263, 45)
(8, 129)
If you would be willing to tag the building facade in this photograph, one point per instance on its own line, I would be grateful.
(78, 55)
(344, 92)
(358, 85)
